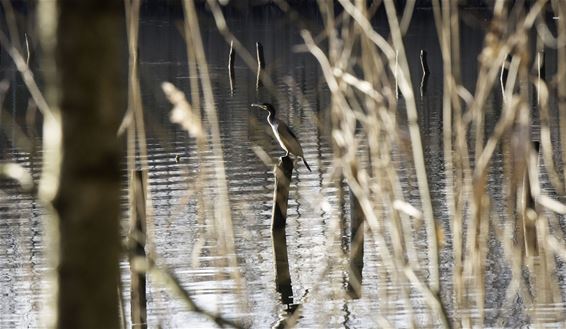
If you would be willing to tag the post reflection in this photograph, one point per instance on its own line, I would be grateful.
(283, 283)
(356, 248)
(283, 173)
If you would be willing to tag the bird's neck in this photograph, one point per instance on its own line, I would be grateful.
(271, 119)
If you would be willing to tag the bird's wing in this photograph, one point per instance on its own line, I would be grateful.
(290, 140)
(289, 130)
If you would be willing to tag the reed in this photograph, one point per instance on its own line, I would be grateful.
(373, 97)
(371, 93)
(383, 66)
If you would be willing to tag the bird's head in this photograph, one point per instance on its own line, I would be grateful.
(266, 107)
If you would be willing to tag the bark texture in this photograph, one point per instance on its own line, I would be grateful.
(89, 57)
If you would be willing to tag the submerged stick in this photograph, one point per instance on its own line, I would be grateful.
(424, 66)
(231, 74)
(260, 63)
(137, 250)
(27, 48)
(396, 74)
(260, 58)
(424, 63)
(417, 148)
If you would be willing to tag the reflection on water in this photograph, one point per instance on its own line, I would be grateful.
(184, 243)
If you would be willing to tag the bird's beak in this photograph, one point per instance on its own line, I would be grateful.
(263, 107)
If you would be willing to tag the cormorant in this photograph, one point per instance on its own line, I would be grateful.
(287, 139)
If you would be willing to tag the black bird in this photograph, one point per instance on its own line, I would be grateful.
(285, 136)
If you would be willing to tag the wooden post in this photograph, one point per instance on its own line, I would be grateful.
(283, 172)
(260, 63)
(560, 12)
(231, 72)
(137, 250)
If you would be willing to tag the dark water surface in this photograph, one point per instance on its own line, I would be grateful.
(313, 203)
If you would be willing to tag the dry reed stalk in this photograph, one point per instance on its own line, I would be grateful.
(523, 150)
(517, 68)
(387, 188)
(462, 194)
(370, 100)
(545, 135)
(448, 35)
(344, 135)
(137, 139)
(386, 192)
(547, 288)
(560, 10)
(407, 16)
(487, 75)
(221, 209)
(417, 149)
(338, 95)
(52, 137)
(337, 99)
(480, 266)
(27, 76)
(201, 142)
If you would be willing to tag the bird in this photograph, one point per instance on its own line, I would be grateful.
(285, 136)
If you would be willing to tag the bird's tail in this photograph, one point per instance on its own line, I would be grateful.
(306, 164)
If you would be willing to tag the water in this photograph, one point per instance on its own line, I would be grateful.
(185, 244)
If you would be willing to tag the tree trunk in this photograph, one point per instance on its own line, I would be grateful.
(90, 66)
